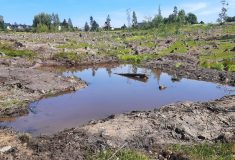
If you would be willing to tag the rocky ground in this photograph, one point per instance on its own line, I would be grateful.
(151, 131)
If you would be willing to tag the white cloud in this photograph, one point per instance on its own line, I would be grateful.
(193, 7)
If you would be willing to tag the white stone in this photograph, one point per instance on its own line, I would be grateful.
(5, 149)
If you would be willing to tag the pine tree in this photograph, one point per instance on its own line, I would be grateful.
(86, 27)
(134, 20)
(175, 13)
(91, 20)
(65, 24)
(94, 25)
(70, 24)
(159, 11)
(108, 23)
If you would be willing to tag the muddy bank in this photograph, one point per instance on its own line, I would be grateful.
(20, 86)
(151, 131)
(186, 66)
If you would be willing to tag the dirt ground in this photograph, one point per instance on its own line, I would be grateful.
(20, 85)
(181, 123)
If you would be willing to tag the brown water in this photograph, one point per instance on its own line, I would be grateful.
(108, 94)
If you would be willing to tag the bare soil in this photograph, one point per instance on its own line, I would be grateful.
(151, 131)
(20, 86)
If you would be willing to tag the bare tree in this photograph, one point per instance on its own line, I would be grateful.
(128, 13)
(223, 13)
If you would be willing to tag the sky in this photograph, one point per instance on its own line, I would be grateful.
(23, 11)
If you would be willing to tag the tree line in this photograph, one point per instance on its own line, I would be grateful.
(44, 22)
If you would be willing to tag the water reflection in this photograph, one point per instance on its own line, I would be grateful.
(109, 94)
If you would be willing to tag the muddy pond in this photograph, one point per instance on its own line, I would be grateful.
(109, 93)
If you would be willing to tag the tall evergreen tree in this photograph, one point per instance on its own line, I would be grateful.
(108, 23)
(65, 24)
(86, 27)
(70, 24)
(94, 25)
(91, 20)
(175, 13)
(134, 20)
(159, 11)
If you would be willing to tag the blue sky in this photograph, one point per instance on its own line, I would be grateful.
(23, 11)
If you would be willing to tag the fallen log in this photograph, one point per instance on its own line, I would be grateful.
(135, 76)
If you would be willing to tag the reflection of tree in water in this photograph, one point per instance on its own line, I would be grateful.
(157, 75)
(94, 71)
(109, 71)
(134, 69)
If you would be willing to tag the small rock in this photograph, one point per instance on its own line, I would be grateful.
(5, 149)
(161, 87)
(43, 91)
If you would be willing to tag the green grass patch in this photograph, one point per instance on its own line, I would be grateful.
(119, 51)
(220, 151)
(8, 50)
(73, 45)
(19, 53)
(138, 58)
(121, 155)
(221, 58)
(148, 44)
(137, 38)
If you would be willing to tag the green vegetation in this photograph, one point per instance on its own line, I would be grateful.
(73, 45)
(138, 58)
(44, 22)
(221, 57)
(178, 64)
(220, 151)
(71, 56)
(121, 155)
(8, 50)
